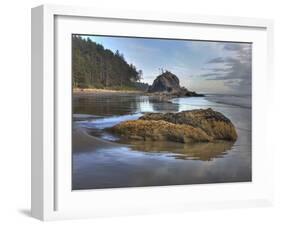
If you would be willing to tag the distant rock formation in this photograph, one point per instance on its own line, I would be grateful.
(168, 83)
(203, 125)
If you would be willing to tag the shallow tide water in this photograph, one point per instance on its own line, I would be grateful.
(102, 160)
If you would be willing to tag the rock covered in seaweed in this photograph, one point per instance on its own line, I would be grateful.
(185, 127)
(160, 130)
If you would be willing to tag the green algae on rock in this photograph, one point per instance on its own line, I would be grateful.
(203, 125)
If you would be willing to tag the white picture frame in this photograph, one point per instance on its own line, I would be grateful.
(51, 197)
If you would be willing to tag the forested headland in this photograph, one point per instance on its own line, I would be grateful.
(93, 66)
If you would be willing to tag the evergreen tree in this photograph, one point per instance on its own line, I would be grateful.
(93, 66)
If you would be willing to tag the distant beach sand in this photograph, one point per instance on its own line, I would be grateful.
(87, 91)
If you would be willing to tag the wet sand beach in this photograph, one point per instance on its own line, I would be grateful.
(100, 160)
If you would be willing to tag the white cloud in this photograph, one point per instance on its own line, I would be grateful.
(234, 71)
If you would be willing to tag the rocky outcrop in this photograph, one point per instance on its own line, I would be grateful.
(168, 83)
(185, 127)
(160, 130)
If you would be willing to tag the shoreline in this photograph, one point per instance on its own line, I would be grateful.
(94, 91)
(77, 91)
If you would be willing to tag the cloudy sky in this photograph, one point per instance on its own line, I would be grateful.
(202, 66)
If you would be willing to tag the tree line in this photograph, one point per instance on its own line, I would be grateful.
(93, 66)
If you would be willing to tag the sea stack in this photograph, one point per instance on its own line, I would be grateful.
(168, 83)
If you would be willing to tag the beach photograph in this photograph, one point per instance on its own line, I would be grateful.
(160, 112)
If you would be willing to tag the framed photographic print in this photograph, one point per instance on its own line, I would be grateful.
(140, 112)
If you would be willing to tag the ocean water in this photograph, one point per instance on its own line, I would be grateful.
(102, 160)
